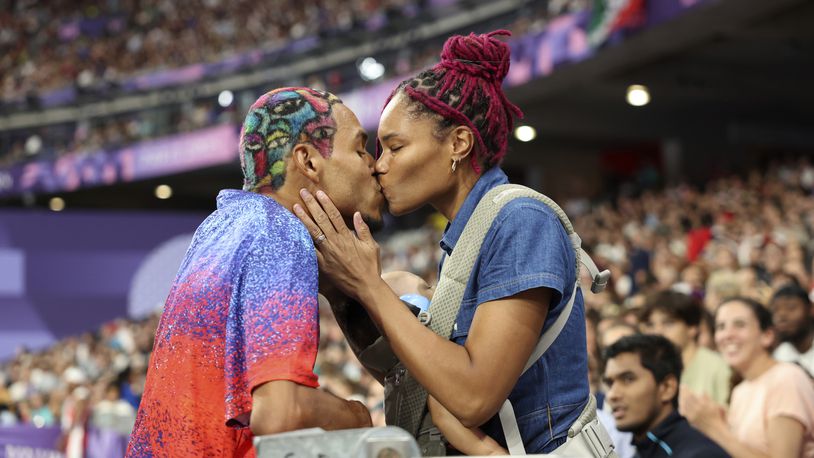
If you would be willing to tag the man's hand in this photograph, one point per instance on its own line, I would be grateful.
(360, 409)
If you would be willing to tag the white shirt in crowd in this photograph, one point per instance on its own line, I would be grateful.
(787, 353)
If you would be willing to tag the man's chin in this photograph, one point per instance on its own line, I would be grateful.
(374, 222)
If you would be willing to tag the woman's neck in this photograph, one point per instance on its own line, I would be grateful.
(450, 203)
(759, 366)
(689, 353)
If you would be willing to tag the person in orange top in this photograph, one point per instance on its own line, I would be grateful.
(771, 413)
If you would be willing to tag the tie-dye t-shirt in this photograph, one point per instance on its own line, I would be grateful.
(243, 311)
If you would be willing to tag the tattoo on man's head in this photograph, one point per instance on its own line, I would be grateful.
(276, 122)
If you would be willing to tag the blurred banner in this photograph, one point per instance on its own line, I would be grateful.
(173, 154)
(184, 75)
(28, 441)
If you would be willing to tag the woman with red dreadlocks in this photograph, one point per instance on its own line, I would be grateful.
(442, 136)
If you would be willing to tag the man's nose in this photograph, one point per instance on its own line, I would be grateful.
(613, 392)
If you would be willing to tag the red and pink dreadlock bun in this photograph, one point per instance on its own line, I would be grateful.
(465, 89)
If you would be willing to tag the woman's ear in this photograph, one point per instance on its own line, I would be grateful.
(306, 160)
(767, 339)
(462, 142)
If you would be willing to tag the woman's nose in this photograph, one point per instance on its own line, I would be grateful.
(382, 164)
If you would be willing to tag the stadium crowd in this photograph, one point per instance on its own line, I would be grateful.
(102, 44)
(93, 44)
(675, 255)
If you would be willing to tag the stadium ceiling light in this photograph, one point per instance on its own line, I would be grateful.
(370, 69)
(525, 133)
(163, 192)
(56, 204)
(33, 145)
(225, 98)
(638, 95)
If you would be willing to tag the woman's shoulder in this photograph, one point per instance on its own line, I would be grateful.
(523, 210)
(788, 373)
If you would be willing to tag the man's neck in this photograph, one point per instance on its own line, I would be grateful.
(284, 196)
(665, 412)
(288, 194)
(803, 343)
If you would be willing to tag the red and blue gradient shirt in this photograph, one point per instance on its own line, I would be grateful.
(243, 311)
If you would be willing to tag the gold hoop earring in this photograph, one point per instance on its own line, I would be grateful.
(454, 164)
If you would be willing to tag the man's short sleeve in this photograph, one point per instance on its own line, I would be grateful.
(273, 324)
(526, 248)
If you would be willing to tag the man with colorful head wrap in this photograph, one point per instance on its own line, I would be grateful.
(235, 349)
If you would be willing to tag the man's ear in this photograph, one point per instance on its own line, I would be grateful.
(307, 161)
(668, 389)
(694, 332)
(463, 140)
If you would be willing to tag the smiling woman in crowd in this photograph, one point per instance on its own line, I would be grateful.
(771, 412)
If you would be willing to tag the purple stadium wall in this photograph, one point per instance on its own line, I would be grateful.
(63, 274)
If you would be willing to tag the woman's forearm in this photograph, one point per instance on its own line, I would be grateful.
(432, 359)
(720, 433)
(443, 367)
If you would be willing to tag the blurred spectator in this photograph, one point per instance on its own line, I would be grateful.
(592, 317)
(791, 314)
(41, 414)
(113, 412)
(642, 373)
(678, 317)
(611, 330)
(7, 416)
(771, 412)
(75, 422)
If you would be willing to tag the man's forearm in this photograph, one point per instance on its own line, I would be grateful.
(324, 410)
(280, 406)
